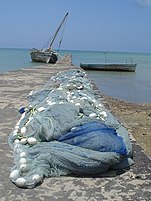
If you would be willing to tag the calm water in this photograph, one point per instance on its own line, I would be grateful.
(132, 87)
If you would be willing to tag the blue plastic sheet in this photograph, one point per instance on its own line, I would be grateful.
(95, 136)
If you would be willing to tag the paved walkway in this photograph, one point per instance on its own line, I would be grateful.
(134, 184)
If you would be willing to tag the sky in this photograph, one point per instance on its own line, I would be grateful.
(98, 25)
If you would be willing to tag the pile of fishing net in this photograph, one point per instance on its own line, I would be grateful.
(65, 130)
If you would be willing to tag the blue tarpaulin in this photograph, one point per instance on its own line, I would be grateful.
(95, 136)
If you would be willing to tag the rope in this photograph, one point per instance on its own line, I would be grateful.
(47, 43)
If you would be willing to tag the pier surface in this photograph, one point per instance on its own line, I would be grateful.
(133, 184)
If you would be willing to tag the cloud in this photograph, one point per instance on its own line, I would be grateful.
(144, 2)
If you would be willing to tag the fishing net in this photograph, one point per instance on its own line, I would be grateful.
(65, 129)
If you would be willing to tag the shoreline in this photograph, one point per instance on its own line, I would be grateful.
(135, 117)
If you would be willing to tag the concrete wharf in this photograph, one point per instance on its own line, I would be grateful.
(133, 184)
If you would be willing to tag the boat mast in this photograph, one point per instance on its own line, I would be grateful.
(58, 30)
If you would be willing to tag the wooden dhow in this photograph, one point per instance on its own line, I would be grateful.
(47, 55)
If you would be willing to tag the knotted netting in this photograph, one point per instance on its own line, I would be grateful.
(65, 129)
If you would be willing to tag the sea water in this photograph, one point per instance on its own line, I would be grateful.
(133, 87)
(15, 59)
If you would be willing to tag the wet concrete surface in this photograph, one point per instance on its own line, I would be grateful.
(132, 184)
